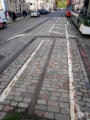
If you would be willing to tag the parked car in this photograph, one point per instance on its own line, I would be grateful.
(49, 10)
(43, 11)
(35, 14)
(18, 14)
(3, 20)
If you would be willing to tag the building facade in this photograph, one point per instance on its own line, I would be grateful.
(40, 4)
(80, 3)
(77, 4)
(3, 5)
(20, 5)
(15, 5)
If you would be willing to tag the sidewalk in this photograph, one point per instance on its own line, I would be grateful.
(17, 19)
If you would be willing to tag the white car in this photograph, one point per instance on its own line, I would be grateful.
(35, 14)
(3, 20)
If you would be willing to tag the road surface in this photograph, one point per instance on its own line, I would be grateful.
(47, 76)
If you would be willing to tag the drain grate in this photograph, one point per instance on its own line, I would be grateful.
(2, 57)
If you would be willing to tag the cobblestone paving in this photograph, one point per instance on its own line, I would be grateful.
(50, 101)
(43, 87)
(53, 101)
(83, 43)
(7, 75)
(82, 80)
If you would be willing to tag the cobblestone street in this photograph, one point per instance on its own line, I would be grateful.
(48, 79)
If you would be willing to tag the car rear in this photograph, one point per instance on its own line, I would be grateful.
(1, 25)
(3, 21)
(43, 12)
(35, 14)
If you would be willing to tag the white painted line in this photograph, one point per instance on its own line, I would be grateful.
(15, 37)
(75, 112)
(72, 36)
(58, 28)
(51, 28)
(71, 87)
(13, 81)
(57, 32)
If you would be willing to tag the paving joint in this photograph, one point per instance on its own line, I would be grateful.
(50, 36)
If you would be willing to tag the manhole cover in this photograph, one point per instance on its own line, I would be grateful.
(1, 57)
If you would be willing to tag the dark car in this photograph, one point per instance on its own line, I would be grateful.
(43, 12)
(18, 14)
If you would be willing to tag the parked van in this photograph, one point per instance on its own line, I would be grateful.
(3, 20)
